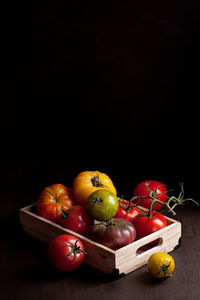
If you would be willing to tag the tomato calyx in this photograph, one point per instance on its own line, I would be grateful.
(165, 269)
(127, 206)
(64, 213)
(109, 222)
(74, 250)
(97, 200)
(96, 181)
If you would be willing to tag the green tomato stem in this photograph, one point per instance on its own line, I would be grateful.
(96, 181)
(75, 250)
(175, 200)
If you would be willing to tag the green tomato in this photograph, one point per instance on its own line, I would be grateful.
(102, 205)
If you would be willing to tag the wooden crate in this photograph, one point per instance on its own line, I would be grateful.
(118, 262)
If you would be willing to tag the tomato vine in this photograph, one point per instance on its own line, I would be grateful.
(170, 204)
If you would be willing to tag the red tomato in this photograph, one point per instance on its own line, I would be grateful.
(77, 219)
(52, 201)
(146, 225)
(127, 210)
(66, 252)
(144, 188)
(113, 233)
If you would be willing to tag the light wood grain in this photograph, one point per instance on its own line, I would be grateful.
(125, 259)
(130, 258)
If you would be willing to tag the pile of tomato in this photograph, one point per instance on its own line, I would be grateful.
(91, 208)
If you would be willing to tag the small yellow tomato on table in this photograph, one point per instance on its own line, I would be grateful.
(161, 265)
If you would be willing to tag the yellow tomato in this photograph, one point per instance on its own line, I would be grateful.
(161, 265)
(88, 182)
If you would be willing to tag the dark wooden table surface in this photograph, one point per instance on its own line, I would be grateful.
(26, 273)
(127, 75)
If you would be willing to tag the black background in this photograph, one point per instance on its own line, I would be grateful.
(108, 86)
(97, 85)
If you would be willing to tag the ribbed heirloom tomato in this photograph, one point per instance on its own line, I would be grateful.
(53, 200)
(113, 233)
(88, 182)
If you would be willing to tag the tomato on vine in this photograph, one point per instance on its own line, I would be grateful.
(127, 210)
(151, 220)
(146, 224)
(147, 188)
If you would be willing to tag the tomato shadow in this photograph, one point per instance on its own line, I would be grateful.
(145, 278)
(34, 265)
(43, 272)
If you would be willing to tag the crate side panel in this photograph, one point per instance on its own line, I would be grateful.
(97, 255)
(129, 259)
(100, 257)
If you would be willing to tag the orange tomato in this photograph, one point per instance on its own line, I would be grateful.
(88, 182)
(53, 200)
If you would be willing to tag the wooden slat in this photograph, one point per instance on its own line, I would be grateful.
(98, 256)
(129, 258)
(125, 259)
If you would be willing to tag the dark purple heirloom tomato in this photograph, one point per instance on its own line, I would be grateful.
(113, 233)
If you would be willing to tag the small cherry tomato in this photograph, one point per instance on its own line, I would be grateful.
(66, 252)
(144, 188)
(127, 210)
(77, 219)
(53, 200)
(102, 205)
(161, 265)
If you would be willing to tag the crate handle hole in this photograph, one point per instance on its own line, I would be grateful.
(152, 245)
